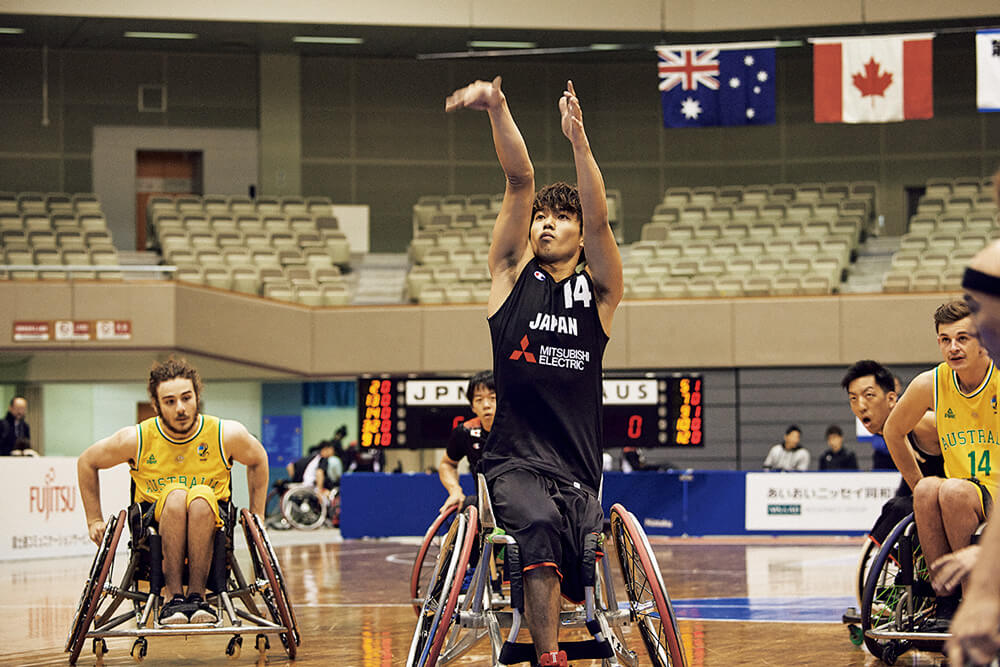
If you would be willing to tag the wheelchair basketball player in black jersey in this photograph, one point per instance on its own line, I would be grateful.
(468, 438)
(549, 323)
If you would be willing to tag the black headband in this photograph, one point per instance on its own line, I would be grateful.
(981, 282)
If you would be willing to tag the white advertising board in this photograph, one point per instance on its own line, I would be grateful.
(43, 512)
(817, 502)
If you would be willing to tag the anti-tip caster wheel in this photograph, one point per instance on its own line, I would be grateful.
(234, 647)
(857, 634)
(100, 650)
(262, 644)
(139, 649)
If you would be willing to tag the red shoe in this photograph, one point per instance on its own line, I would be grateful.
(554, 659)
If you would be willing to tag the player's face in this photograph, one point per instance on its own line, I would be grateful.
(959, 343)
(177, 405)
(555, 235)
(869, 403)
(484, 405)
(986, 317)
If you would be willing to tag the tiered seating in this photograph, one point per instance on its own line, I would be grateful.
(52, 231)
(754, 240)
(451, 240)
(287, 248)
(955, 218)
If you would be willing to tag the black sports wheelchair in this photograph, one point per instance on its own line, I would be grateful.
(258, 605)
(898, 603)
(457, 609)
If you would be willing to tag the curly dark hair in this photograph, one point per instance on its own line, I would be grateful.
(558, 197)
(168, 370)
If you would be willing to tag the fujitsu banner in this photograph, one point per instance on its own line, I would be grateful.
(43, 512)
(873, 79)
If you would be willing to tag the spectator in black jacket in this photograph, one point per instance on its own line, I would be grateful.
(837, 457)
(14, 427)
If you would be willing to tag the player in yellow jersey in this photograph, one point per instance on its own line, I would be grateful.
(180, 462)
(962, 391)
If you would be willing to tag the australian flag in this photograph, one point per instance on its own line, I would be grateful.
(717, 84)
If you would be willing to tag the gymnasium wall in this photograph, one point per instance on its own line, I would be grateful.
(768, 362)
(373, 131)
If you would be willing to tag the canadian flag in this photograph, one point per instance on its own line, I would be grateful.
(873, 79)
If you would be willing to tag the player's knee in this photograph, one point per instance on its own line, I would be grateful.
(957, 494)
(175, 502)
(926, 491)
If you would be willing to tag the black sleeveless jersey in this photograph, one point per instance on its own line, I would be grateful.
(548, 347)
(467, 439)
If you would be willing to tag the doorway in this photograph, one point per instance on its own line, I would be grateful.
(163, 173)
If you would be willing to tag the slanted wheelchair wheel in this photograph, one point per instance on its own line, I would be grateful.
(429, 546)
(304, 508)
(898, 596)
(100, 571)
(648, 599)
(868, 554)
(442, 594)
(265, 565)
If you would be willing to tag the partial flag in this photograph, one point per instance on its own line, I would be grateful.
(717, 84)
(873, 79)
(988, 70)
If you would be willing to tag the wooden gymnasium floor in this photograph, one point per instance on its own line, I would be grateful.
(758, 602)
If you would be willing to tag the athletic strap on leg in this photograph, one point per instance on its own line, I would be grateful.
(512, 654)
(513, 560)
(589, 559)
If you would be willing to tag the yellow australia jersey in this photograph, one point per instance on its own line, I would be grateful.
(967, 426)
(160, 460)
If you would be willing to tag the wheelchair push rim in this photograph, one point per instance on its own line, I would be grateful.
(886, 602)
(436, 531)
(439, 606)
(100, 571)
(275, 598)
(648, 599)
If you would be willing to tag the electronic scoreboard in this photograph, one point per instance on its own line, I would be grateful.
(640, 410)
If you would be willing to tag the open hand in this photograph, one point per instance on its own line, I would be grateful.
(572, 115)
(974, 635)
(453, 499)
(480, 95)
(952, 569)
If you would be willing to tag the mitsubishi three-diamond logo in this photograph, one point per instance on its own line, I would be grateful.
(528, 356)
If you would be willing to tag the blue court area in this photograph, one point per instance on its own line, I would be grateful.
(765, 610)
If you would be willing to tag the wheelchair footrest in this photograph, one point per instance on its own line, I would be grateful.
(512, 654)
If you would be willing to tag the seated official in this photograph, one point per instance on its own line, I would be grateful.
(180, 464)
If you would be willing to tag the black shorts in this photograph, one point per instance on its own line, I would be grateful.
(549, 520)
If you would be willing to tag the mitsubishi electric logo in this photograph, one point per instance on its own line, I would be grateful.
(517, 354)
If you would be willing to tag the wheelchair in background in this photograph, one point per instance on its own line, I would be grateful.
(297, 505)
(258, 605)
(457, 610)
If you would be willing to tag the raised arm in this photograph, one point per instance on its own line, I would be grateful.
(604, 262)
(911, 408)
(105, 453)
(246, 449)
(509, 249)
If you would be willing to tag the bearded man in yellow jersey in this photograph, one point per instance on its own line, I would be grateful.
(962, 391)
(180, 464)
